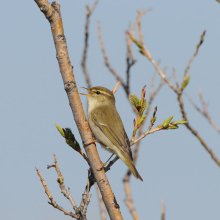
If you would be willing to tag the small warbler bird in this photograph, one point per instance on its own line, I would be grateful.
(107, 126)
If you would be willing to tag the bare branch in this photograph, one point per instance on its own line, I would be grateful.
(205, 112)
(106, 57)
(128, 199)
(52, 201)
(60, 181)
(175, 78)
(146, 53)
(182, 110)
(194, 55)
(162, 210)
(116, 87)
(83, 63)
(101, 204)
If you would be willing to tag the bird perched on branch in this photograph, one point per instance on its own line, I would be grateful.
(107, 126)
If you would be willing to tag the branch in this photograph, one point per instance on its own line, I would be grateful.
(162, 210)
(106, 57)
(53, 14)
(128, 200)
(139, 115)
(182, 110)
(194, 55)
(205, 112)
(146, 53)
(80, 212)
(149, 131)
(116, 87)
(83, 63)
(52, 201)
(101, 204)
(153, 94)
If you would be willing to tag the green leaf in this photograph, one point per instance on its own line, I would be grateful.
(179, 122)
(70, 143)
(171, 126)
(185, 82)
(60, 130)
(167, 122)
(141, 120)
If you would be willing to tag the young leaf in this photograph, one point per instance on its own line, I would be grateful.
(141, 120)
(167, 122)
(60, 130)
(171, 126)
(185, 83)
(179, 122)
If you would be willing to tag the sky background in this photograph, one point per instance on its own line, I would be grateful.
(173, 164)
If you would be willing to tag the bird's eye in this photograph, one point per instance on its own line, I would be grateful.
(97, 92)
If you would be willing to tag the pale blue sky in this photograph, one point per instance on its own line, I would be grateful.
(173, 164)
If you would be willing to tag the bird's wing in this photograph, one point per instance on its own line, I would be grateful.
(109, 122)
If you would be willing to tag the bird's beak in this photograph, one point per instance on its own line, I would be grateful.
(86, 93)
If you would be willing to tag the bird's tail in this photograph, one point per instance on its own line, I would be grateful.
(131, 166)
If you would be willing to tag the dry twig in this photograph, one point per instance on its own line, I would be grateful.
(205, 112)
(116, 87)
(83, 63)
(80, 212)
(194, 55)
(162, 210)
(101, 204)
(106, 57)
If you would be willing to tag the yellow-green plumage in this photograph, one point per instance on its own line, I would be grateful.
(107, 126)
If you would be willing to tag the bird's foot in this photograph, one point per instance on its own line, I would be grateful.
(103, 164)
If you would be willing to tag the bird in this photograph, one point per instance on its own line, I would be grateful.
(107, 127)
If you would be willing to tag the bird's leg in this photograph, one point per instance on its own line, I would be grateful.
(105, 163)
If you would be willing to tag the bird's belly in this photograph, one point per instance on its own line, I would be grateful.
(102, 139)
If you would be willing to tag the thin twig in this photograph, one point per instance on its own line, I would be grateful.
(149, 131)
(150, 100)
(130, 62)
(175, 78)
(101, 204)
(138, 115)
(52, 201)
(128, 199)
(106, 57)
(83, 63)
(162, 210)
(194, 55)
(116, 87)
(146, 53)
(60, 181)
(205, 112)
(182, 110)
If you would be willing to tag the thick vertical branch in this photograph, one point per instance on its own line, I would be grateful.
(53, 15)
